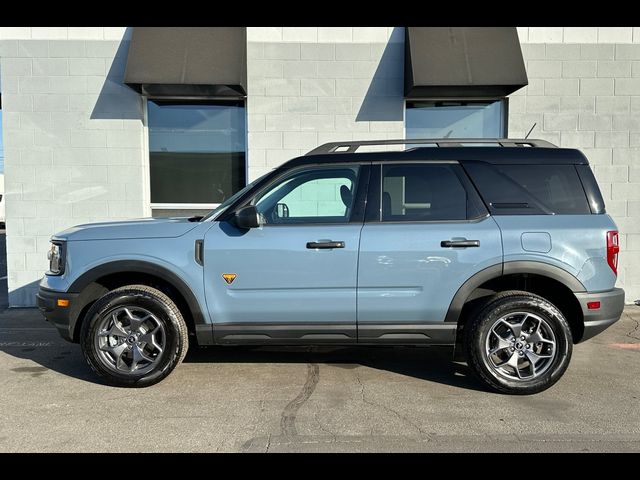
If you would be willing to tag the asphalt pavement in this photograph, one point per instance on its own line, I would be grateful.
(260, 399)
(266, 399)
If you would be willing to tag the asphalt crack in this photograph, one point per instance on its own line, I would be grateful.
(290, 412)
(334, 437)
(636, 329)
(391, 410)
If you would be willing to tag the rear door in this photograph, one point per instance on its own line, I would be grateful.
(425, 234)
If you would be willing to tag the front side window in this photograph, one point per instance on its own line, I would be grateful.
(424, 192)
(459, 119)
(197, 151)
(312, 195)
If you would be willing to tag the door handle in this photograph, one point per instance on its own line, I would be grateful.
(459, 243)
(325, 244)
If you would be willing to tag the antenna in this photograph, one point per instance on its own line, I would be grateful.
(534, 126)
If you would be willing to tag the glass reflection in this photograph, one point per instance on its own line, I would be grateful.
(197, 151)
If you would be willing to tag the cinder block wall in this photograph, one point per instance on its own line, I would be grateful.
(312, 85)
(75, 145)
(584, 92)
(73, 139)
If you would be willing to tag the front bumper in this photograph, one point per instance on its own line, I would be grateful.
(64, 318)
(610, 311)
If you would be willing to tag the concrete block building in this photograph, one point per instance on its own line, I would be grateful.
(113, 123)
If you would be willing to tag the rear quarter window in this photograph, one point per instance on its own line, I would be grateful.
(529, 189)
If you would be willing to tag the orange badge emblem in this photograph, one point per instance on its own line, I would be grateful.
(229, 277)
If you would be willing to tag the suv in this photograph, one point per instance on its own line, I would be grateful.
(501, 249)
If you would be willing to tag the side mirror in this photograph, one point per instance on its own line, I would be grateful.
(247, 217)
(282, 210)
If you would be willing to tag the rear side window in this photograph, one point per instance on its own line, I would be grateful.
(424, 192)
(530, 189)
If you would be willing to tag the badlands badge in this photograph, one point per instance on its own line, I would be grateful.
(229, 277)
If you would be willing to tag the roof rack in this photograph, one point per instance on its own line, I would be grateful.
(352, 147)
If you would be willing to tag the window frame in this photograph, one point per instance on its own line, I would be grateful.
(373, 212)
(503, 100)
(189, 101)
(359, 202)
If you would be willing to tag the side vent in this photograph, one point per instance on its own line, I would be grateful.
(200, 252)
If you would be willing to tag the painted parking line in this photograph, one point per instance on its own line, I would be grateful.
(8, 329)
(626, 346)
(29, 344)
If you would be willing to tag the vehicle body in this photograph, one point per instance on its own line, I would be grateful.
(417, 247)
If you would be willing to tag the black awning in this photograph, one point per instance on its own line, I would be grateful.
(188, 61)
(447, 62)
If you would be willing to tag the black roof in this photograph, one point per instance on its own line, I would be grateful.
(508, 152)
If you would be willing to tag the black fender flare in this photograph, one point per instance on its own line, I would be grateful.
(509, 268)
(139, 266)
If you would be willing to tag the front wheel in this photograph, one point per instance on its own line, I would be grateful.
(518, 343)
(134, 336)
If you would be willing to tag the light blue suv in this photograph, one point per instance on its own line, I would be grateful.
(501, 249)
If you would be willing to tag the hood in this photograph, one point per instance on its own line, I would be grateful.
(134, 229)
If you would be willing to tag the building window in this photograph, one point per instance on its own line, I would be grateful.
(456, 119)
(197, 153)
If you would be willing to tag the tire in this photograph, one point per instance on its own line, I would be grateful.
(522, 364)
(134, 336)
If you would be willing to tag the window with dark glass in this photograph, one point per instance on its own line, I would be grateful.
(456, 119)
(529, 189)
(197, 151)
(424, 192)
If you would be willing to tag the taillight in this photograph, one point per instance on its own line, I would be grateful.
(613, 248)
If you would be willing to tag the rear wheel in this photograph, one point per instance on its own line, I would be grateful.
(134, 336)
(518, 343)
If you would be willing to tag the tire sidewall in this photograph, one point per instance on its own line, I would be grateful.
(133, 298)
(521, 303)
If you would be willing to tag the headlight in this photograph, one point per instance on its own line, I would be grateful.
(56, 258)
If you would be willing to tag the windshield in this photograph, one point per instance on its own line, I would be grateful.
(223, 206)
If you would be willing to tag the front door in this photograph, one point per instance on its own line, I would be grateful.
(427, 232)
(293, 279)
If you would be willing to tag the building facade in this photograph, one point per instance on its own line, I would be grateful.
(84, 140)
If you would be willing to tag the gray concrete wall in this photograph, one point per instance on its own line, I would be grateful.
(74, 144)
(587, 96)
(314, 85)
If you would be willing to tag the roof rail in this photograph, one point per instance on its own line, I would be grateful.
(352, 146)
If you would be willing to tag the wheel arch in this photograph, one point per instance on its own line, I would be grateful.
(93, 283)
(547, 280)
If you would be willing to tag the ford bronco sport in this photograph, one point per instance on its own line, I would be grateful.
(499, 248)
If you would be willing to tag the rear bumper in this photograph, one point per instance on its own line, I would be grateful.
(610, 311)
(62, 317)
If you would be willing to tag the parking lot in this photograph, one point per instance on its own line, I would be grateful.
(312, 399)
